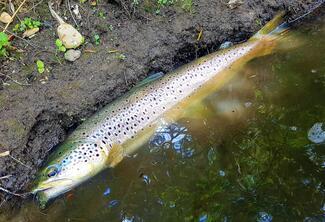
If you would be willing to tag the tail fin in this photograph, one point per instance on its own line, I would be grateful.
(275, 27)
(274, 36)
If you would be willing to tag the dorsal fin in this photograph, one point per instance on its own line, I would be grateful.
(149, 79)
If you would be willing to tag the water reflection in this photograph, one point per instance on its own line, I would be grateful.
(172, 136)
(316, 134)
(264, 217)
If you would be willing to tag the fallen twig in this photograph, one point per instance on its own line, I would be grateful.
(5, 177)
(11, 33)
(13, 16)
(12, 193)
(34, 6)
(15, 81)
(89, 51)
(20, 162)
(69, 7)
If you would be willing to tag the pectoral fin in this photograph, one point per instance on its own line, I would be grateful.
(115, 155)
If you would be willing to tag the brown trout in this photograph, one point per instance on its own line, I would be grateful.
(121, 127)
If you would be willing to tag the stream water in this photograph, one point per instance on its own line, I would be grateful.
(252, 151)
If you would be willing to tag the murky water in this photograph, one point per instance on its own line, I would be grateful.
(253, 151)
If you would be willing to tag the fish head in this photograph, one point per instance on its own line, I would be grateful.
(66, 170)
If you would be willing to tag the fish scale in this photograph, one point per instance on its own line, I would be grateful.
(121, 127)
(139, 110)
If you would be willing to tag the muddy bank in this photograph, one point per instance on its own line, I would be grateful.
(35, 118)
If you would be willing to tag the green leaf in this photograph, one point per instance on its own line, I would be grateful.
(3, 39)
(40, 66)
(40, 70)
(58, 43)
(3, 52)
(62, 49)
(97, 39)
(27, 23)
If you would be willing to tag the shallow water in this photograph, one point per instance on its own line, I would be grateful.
(252, 151)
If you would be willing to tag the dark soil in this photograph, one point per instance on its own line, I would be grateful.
(35, 118)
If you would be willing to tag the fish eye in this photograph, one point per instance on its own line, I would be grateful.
(52, 171)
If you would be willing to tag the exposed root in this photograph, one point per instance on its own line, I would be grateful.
(5, 177)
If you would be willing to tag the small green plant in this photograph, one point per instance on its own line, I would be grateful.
(4, 43)
(184, 4)
(101, 15)
(120, 56)
(97, 39)
(135, 3)
(40, 66)
(187, 5)
(27, 23)
(60, 46)
(165, 2)
(258, 22)
(110, 27)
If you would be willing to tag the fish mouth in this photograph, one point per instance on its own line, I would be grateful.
(49, 184)
(47, 190)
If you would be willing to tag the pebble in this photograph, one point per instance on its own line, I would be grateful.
(232, 4)
(5, 18)
(226, 45)
(72, 55)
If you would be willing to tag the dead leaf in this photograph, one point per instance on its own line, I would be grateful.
(6, 153)
(30, 32)
(5, 18)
